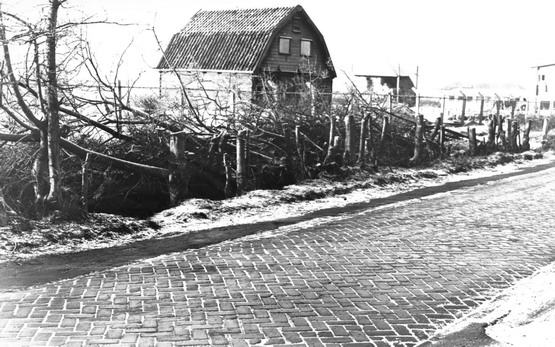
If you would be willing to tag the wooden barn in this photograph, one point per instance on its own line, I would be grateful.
(247, 55)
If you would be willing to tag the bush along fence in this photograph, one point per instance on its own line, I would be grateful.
(189, 152)
(281, 148)
(272, 154)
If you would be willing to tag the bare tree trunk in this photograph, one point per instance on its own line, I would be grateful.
(40, 173)
(54, 194)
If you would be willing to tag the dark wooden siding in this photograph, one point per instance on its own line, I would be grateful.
(294, 62)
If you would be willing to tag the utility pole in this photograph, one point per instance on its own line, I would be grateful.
(398, 81)
(416, 86)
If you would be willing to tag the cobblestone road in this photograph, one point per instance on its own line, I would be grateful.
(383, 277)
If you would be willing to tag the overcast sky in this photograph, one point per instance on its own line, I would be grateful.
(468, 42)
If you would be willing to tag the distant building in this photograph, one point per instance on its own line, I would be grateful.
(545, 89)
(236, 55)
(395, 84)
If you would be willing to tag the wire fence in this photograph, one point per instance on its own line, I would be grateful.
(451, 106)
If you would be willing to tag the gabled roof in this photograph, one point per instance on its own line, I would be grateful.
(228, 40)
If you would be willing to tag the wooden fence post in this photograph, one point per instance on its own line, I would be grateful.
(463, 112)
(491, 133)
(179, 177)
(348, 153)
(390, 103)
(241, 175)
(85, 183)
(515, 133)
(417, 103)
(299, 144)
(472, 145)
(501, 133)
(442, 140)
(545, 128)
(362, 141)
(385, 130)
(437, 127)
(228, 176)
(509, 135)
(330, 154)
(526, 136)
(370, 142)
(418, 140)
(443, 110)
(481, 116)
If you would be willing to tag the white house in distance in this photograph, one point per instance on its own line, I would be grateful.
(544, 95)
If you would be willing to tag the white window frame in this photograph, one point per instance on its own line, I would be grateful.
(306, 45)
(281, 48)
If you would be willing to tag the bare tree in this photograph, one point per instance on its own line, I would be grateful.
(40, 101)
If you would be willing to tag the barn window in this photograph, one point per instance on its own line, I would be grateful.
(306, 48)
(544, 105)
(284, 45)
(296, 24)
